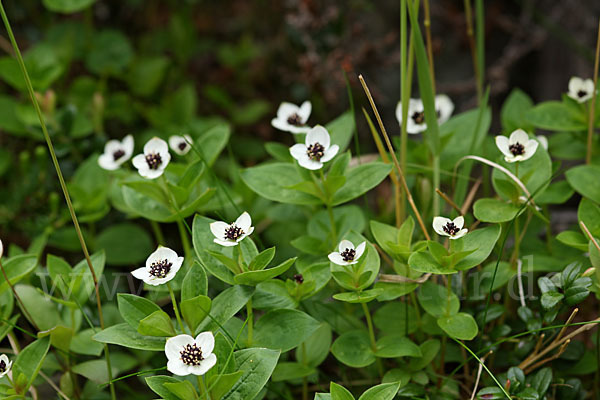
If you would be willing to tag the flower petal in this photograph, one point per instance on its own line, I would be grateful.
(141, 274)
(399, 113)
(502, 144)
(318, 134)
(460, 234)
(226, 243)
(575, 84)
(543, 141)
(298, 151)
(286, 110)
(177, 367)
(127, 144)
(139, 162)
(204, 366)
(156, 145)
(304, 111)
(218, 229)
(336, 258)
(174, 345)
(280, 124)
(444, 106)
(459, 222)
(244, 221)
(360, 249)
(530, 149)
(518, 136)
(107, 162)
(345, 244)
(206, 342)
(438, 225)
(330, 153)
(310, 164)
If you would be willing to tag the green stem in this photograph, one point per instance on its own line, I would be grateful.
(250, 320)
(329, 209)
(158, 235)
(372, 335)
(61, 179)
(202, 386)
(176, 309)
(185, 241)
(436, 184)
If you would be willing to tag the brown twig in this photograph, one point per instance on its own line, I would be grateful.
(588, 156)
(403, 279)
(448, 200)
(589, 234)
(470, 197)
(394, 158)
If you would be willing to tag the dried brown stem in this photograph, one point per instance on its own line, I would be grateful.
(448, 200)
(470, 197)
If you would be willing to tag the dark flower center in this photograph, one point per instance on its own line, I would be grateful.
(234, 232)
(182, 146)
(581, 93)
(315, 151)
(295, 120)
(191, 355)
(160, 269)
(517, 149)
(154, 160)
(299, 278)
(348, 255)
(118, 154)
(418, 117)
(451, 229)
(2, 367)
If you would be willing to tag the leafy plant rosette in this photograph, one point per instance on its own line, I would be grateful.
(431, 269)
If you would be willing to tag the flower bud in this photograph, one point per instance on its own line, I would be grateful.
(589, 272)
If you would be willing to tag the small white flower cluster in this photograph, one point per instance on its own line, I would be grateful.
(581, 90)
(5, 365)
(317, 148)
(152, 162)
(415, 122)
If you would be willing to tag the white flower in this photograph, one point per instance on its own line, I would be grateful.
(187, 355)
(447, 227)
(116, 153)
(518, 147)
(416, 113)
(316, 150)
(5, 365)
(155, 159)
(543, 141)
(231, 235)
(1, 248)
(348, 254)
(580, 90)
(161, 267)
(291, 118)
(180, 144)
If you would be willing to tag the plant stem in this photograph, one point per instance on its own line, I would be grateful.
(250, 321)
(436, 184)
(329, 209)
(202, 386)
(176, 309)
(588, 156)
(63, 185)
(427, 25)
(372, 335)
(158, 235)
(469, 23)
(185, 241)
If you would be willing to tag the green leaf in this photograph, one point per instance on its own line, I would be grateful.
(146, 74)
(494, 210)
(315, 349)
(583, 179)
(363, 296)
(573, 239)
(67, 6)
(262, 259)
(124, 244)
(480, 242)
(255, 277)
(110, 53)
(437, 300)
(225, 306)
(556, 116)
(393, 346)
(258, 365)
(17, 268)
(353, 349)
(514, 110)
(541, 380)
(194, 310)
(194, 283)
(360, 180)
(290, 371)
(284, 329)
(551, 299)
(589, 213)
(224, 384)
(429, 349)
(156, 324)
(126, 336)
(341, 130)
(385, 391)
(157, 384)
(30, 359)
(461, 326)
(338, 392)
(183, 390)
(260, 180)
(43, 311)
(60, 337)
(134, 308)
(82, 343)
